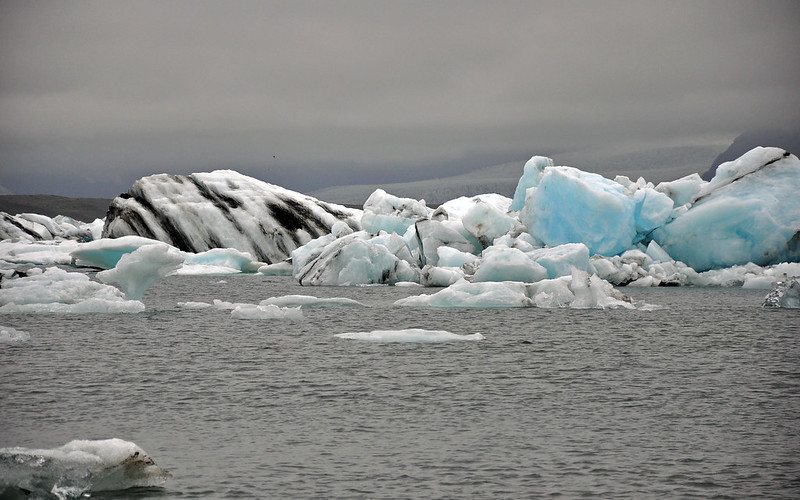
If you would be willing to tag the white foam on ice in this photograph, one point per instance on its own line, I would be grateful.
(59, 291)
(79, 467)
(10, 335)
(412, 335)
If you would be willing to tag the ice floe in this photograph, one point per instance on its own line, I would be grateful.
(413, 335)
(309, 300)
(59, 291)
(10, 335)
(77, 469)
(786, 294)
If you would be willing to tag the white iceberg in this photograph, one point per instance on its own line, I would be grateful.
(508, 264)
(412, 335)
(269, 311)
(59, 291)
(106, 252)
(78, 468)
(137, 271)
(386, 212)
(309, 300)
(531, 174)
(578, 291)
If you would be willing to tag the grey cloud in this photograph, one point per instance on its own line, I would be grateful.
(95, 94)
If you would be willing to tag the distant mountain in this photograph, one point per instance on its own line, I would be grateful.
(83, 209)
(655, 165)
(780, 138)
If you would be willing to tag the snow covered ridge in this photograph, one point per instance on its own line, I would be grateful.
(77, 468)
(223, 209)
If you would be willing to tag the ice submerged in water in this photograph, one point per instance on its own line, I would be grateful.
(78, 467)
(412, 335)
(786, 295)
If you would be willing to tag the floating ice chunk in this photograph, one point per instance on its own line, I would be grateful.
(749, 212)
(407, 284)
(561, 259)
(57, 291)
(508, 264)
(531, 175)
(10, 335)
(44, 253)
(78, 467)
(137, 271)
(309, 300)
(252, 311)
(579, 291)
(473, 295)
(455, 209)
(415, 335)
(195, 305)
(202, 270)
(486, 223)
(786, 294)
(284, 268)
(572, 206)
(230, 258)
(682, 190)
(351, 260)
(440, 276)
(386, 212)
(106, 252)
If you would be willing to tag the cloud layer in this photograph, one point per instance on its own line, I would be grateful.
(96, 94)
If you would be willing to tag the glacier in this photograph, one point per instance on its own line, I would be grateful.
(223, 209)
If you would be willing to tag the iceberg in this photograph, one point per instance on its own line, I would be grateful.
(309, 300)
(786, 295)
(106, 252)
(223, 209)
(562, 259)
(456, 209)
(354, 260)
(486, 223)
(43, 253)
(10, 335)
(508, 264)
(531, 175)
(269, 311)
(137, 271)
(432, 234)
(78, 468)
(572, 206)
(749, 212)
(578, 291)
(386, 212)
(413, 335)
(59, 291)
(36, 227)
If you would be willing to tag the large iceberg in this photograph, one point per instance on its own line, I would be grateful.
(77, 468)
(749, 212)
(223, 209)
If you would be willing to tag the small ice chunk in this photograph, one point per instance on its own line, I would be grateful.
(194, 305)
(137, 271)
(531, 175)
(284, 268)
(508, 264)
(252, 311)
(488, 295)
(486, 223)
(386, 212)
(786, 295)
(450, 257)
(560, 260)
(58, 291)
(414, 335)
(658, 254)
(10, 335)
(309, 300)
(106, 252)
(440, 276)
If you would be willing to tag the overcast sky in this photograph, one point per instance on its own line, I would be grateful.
(96, 94)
